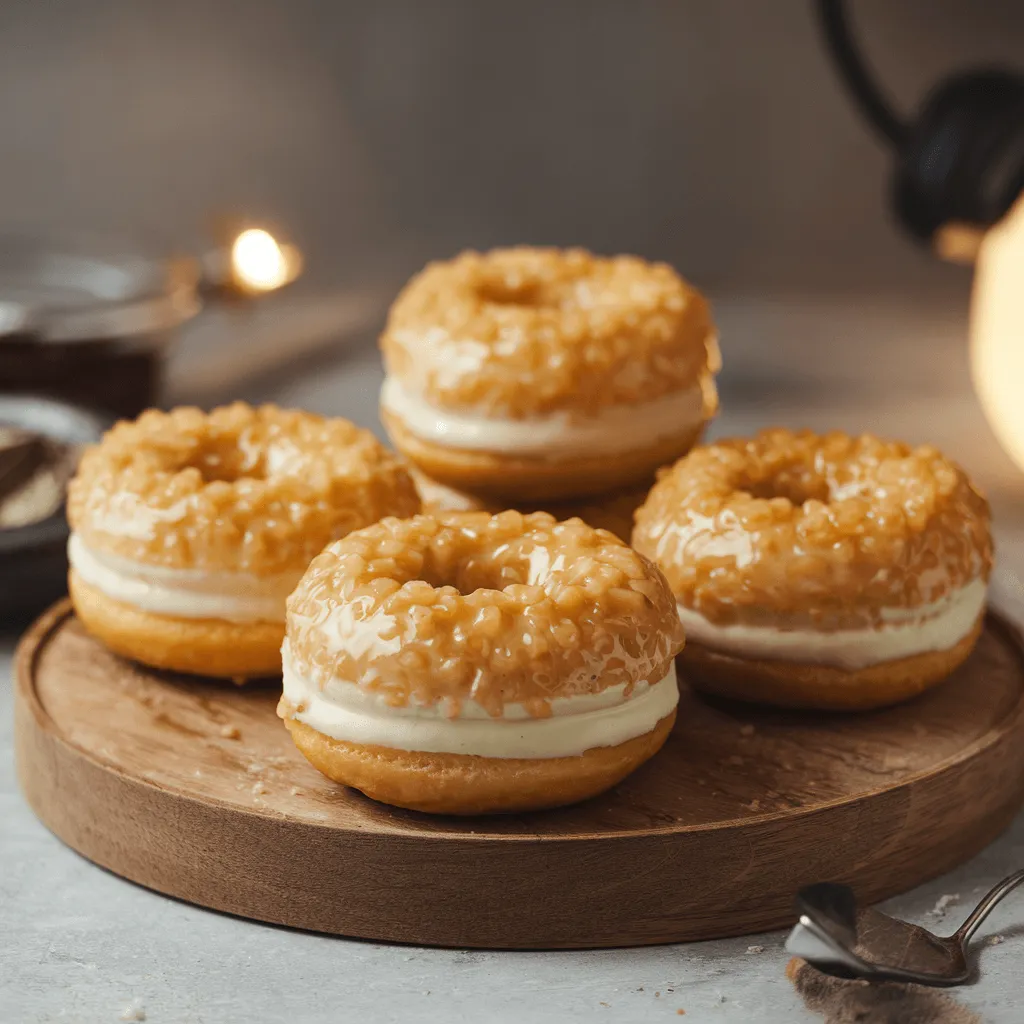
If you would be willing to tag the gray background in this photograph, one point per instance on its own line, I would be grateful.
(712, 134)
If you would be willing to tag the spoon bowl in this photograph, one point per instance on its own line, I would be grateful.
(842, 939)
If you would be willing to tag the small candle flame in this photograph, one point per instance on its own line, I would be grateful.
(259, 263)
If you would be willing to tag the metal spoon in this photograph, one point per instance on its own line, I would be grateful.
(841, 939)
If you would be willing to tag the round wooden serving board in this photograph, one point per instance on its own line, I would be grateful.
(193, 787)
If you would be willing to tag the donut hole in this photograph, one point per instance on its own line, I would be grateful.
(435, 577)
(472, 557)
(468, 575)
(229, 462)
(513, 291)
(796, 486)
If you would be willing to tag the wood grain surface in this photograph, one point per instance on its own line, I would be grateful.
(193, 788)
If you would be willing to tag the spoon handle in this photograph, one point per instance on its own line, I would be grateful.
(984, 908)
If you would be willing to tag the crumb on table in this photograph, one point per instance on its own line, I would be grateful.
(133, 1011)
(943, 903)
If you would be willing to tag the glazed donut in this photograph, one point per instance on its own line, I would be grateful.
(189, 529)
(540, 374)
(820, 571)
(612, 512)
(470, 663)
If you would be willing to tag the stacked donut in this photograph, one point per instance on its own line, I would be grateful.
(189, 529)
(820, 571)
(466, 662)
(540, 378)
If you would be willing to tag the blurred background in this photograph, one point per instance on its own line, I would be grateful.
(375, 136)
(712, 135)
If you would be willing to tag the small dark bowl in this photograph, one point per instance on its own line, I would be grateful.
(33, 557)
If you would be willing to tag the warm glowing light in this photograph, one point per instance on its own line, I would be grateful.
(260, 264)
(997, 330)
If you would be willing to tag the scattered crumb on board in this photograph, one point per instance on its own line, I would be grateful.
(995, 940)
(755, 949)
(230, 732)
(133, 1011)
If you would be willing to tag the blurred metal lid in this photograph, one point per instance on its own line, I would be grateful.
(91, 289)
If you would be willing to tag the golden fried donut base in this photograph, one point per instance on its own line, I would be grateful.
(612, 512)
(468, 784)
(237, 489)
(791, 684)
(528, 332)
(440, 608)
(821, 531)
(516, 479)
(204, 647)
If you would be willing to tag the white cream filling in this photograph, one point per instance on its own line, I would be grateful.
(348, 712)
(619, 428)
(183, 593)
(906, 632)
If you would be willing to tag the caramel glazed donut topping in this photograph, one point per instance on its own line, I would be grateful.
(239, 489)
(526, 333)
(796, 529)
(498, 610)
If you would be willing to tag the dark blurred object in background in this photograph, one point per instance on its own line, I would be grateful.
(959, 159)
(91, 324)
(40, 441)
(88, 323)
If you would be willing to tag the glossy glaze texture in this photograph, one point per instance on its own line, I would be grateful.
(523, 333)
(504, 609)
(239, 489)
(828, 531)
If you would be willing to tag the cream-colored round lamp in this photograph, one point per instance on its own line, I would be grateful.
(997, 330)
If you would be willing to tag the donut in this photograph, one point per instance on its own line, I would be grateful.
(612, 512)
(542, 375)
(469, 663)
(820, 571)
(189, 530)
